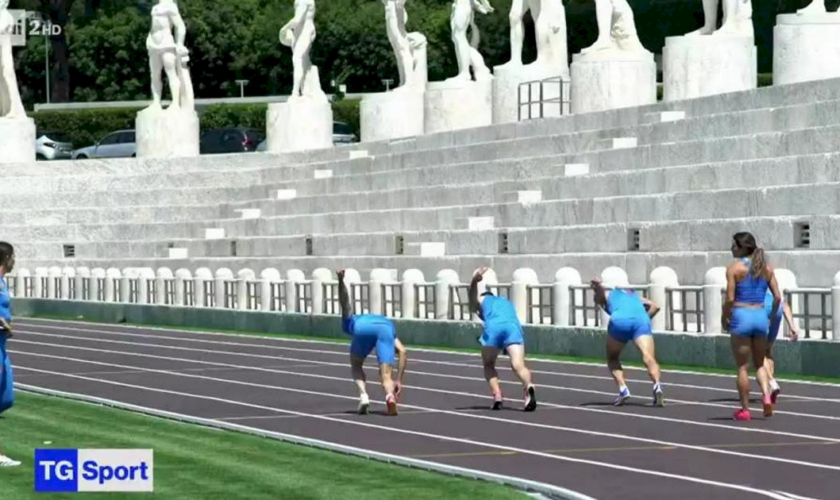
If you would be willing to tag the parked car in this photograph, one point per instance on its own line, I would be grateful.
(342, 134)
(119, 144)
(230, 140)
(52, 146)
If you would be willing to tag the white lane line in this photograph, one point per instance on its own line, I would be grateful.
(437, 362)
(262, 356)
(562, 458)
(455, 413)
(519, 483)
(334, 343)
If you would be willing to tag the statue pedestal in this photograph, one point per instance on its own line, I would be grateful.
(392, 115)
(299, 124)
(506, 92)
(806, 47)
(167, 134)
(17, 140)
(697, 66)
(610, 79)
(456, 105)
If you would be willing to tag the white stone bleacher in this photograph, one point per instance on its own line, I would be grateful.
(763, 161)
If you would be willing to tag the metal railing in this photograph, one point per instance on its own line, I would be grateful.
(425, 298)
(331, 302)
(680, 309)
(459, 302)
(360, 297)
(540, 304)
(555, 85)
(303, 293)
(392, 300)
(814, 312)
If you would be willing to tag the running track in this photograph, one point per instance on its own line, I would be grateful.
(691, 449)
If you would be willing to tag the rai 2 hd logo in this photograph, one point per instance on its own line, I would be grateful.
(17, 25)
(91, 470)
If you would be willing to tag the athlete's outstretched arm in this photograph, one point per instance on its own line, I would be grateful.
(343, 296)
(789, 320)
(730, 297)
(474, 300)
(402, 357)
(652, 308)
(600, 295)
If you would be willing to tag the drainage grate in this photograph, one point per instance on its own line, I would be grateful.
(802, 235)
(399, 244)
(503, 242)
(69, 251)
(634, 237)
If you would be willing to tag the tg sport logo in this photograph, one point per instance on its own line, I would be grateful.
(68, 470)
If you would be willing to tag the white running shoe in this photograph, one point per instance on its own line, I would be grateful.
(8, 462)
(364, 404)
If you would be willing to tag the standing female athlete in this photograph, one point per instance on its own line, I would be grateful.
(744, 316)
(7, 263)
(502, 331)
(630, 317)
(775, 324)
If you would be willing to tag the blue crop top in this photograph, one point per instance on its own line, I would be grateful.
(5, 301)
(750, 290)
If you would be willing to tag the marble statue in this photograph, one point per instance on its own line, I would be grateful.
(299, 33)
(11, 105)
(616, 27)
(466, 52)
(409, 48)
(550, 31)
(816, 7)
(168, 53)
(737, 18)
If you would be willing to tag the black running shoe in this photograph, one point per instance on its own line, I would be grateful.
(530, 399)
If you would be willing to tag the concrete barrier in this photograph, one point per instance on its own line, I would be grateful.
(807, 357)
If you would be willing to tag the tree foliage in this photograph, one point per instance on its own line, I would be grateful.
(106, 57)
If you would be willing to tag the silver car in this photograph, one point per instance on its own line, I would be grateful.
(52, 146)
(342, 134)
(119, 144)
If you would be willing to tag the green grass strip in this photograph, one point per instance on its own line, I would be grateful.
(195, 462)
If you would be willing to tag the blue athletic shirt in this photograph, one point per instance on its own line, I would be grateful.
(5, 301)
(625, 304)
(751, 289)
(497, 310)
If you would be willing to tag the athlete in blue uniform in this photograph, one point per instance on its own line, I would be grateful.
(7, 263)
(630, 317)
(775, 324)
(502, 331)
(747, 280)
(371, 331)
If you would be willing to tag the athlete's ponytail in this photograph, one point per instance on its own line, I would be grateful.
(747, 246)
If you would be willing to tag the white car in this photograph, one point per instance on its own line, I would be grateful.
(119, 144)
(52, 146)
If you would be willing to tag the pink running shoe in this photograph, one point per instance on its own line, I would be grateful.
(742, 414)
(768, 406)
